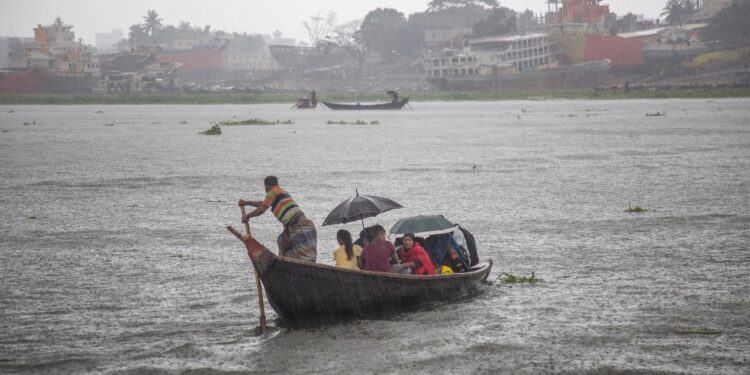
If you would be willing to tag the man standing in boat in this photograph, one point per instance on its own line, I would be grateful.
(299, 238)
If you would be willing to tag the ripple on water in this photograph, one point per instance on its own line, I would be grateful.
(114, 256)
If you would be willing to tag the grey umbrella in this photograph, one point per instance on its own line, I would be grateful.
(358, 208)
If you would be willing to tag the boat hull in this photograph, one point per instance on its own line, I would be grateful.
(301, 291)
(353, 107)
(305, 103)
(590, 74)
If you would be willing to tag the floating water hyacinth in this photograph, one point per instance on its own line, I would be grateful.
(358, 122)
(507, 278)
(636, 209)
(255, 121)
(213, 130)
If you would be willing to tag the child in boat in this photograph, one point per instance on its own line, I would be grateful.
(361, 240)
(415, 257)
(347, 254)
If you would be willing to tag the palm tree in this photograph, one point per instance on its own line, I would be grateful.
(151, 22)
(136, 36)
(689, 7)
(185, 28)
(679, 11)
(673, 12)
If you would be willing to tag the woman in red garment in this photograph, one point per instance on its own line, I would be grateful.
(415, 257)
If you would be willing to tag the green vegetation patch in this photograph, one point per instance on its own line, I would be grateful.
(698, 331)
(213, 130)
(635, 209)
(507, 278)
(358, 122)
(255, 121)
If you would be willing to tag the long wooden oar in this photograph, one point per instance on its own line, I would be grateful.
(257, 283)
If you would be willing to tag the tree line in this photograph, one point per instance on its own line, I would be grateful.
(153, 33)
(397, 38)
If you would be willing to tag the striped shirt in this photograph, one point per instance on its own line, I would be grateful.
(282, 204)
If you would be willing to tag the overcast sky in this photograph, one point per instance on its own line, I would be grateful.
(19, 17)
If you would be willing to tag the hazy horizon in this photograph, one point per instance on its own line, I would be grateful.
(254, 17)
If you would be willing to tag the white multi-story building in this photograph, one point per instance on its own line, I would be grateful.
(493, 54)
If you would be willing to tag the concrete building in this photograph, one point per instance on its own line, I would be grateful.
(249, 61)
(105, 42)
(18, 57)
(4, 52)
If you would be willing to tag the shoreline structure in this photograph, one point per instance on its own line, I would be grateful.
(416, 96)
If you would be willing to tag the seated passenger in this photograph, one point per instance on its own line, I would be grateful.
(399, 244)
(347, 254)
(379, 253)
(444, 251)
(415, 257)
(361, 240)
(455, 261)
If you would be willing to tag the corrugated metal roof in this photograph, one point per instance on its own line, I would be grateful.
(650, 32)
(511, 38)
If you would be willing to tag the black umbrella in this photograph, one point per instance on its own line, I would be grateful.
(358, 208)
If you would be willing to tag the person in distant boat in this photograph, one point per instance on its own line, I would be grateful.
(415, 257)
(393, 95)
(347, 254)
(299, 238)
(379, 254)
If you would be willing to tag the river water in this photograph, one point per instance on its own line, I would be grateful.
(114, 257)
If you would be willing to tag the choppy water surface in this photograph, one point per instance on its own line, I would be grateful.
(114, 256)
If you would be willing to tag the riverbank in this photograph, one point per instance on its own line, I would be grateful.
(416, 96)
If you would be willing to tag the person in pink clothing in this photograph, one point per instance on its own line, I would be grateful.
(379, 253)
(416, 257)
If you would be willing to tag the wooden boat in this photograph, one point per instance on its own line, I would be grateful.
(303, 291)
(390, 105)
(307, 103)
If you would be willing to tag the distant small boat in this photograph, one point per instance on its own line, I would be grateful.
(391, 105)
(307, 103)
(395, 103)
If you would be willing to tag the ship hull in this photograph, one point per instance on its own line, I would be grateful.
(573, 76)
